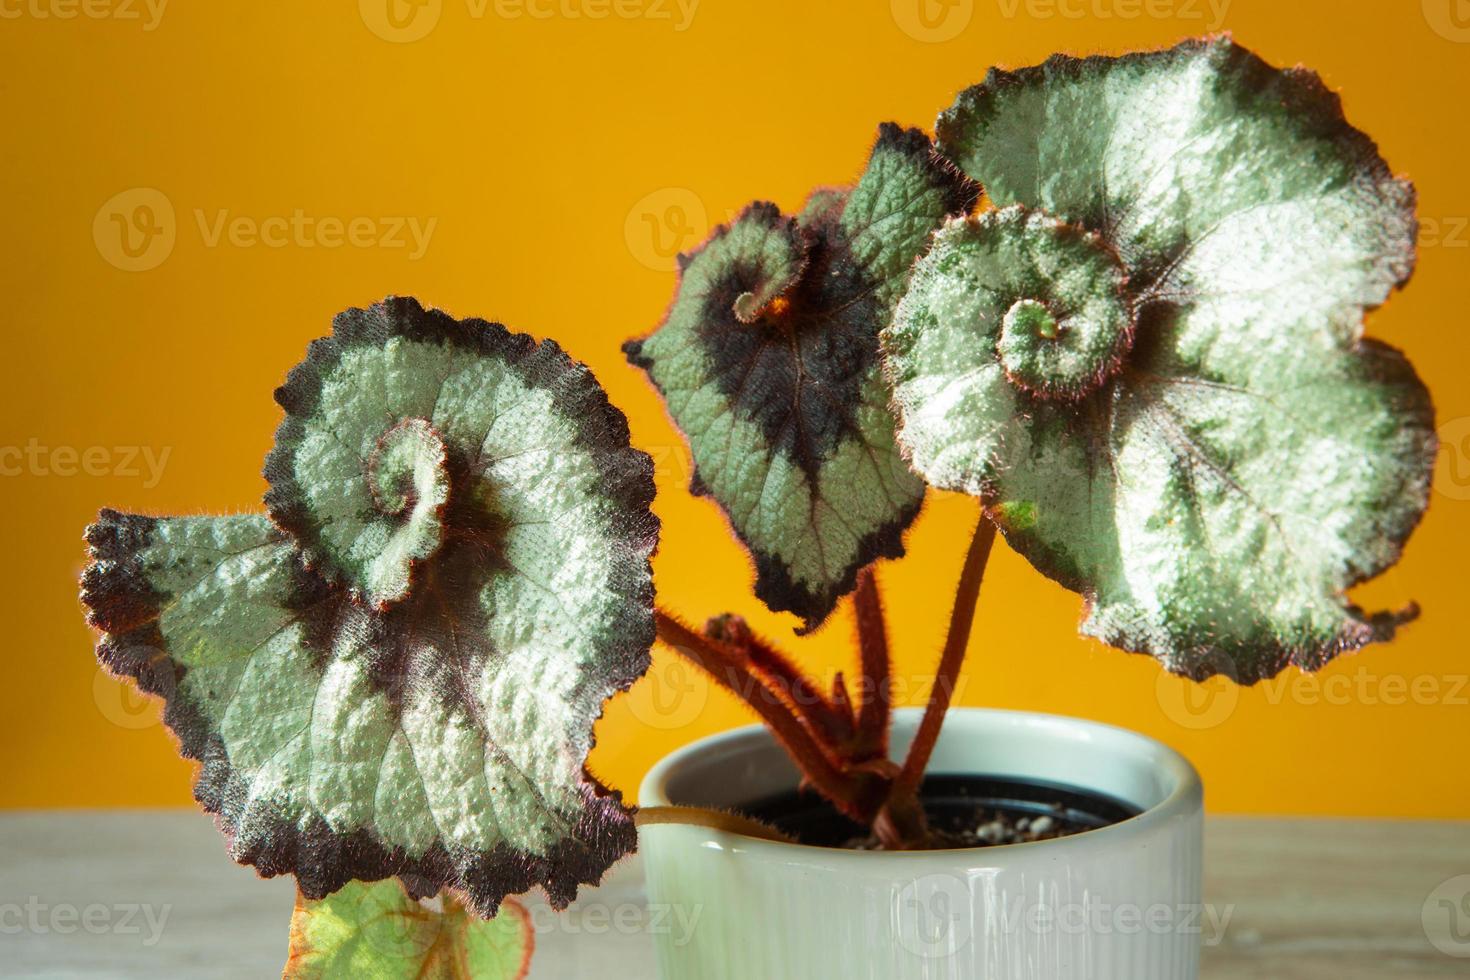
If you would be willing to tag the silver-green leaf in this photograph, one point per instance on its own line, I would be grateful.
(1149, 361)
(397, 671)
(768, 362)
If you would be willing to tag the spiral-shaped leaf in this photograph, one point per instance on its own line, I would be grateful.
(768, 361)
(400, 675)
(1149, 363)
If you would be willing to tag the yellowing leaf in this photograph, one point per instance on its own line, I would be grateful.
(377, 931)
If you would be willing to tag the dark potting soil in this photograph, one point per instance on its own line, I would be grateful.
(963, 811)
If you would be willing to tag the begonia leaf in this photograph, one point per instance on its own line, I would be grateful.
(1149, 362)
(399, 675)
(377, 931)
(768, 362)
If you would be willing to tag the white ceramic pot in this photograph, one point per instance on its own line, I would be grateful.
(1119, 903)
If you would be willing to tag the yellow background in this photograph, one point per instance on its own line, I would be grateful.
(548, 150)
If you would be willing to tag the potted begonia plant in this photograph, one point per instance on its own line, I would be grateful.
(1118, 300)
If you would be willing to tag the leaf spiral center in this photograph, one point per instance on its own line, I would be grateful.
(1058, 291)
(409, 480)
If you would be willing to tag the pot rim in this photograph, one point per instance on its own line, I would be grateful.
(1184, 797)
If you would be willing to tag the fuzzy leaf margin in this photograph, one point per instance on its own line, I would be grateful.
(1217, 488)
(768, 362)
(441, 736)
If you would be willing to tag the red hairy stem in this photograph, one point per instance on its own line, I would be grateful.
(876, 691)
(830, 718)
(902, 816)
(842, 703)
(851, 793)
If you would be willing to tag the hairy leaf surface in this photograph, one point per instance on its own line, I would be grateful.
(1149, 363)
(400, 674)
(768, 362)
(377, 931)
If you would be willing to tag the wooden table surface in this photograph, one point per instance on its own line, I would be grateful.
(151, 894)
